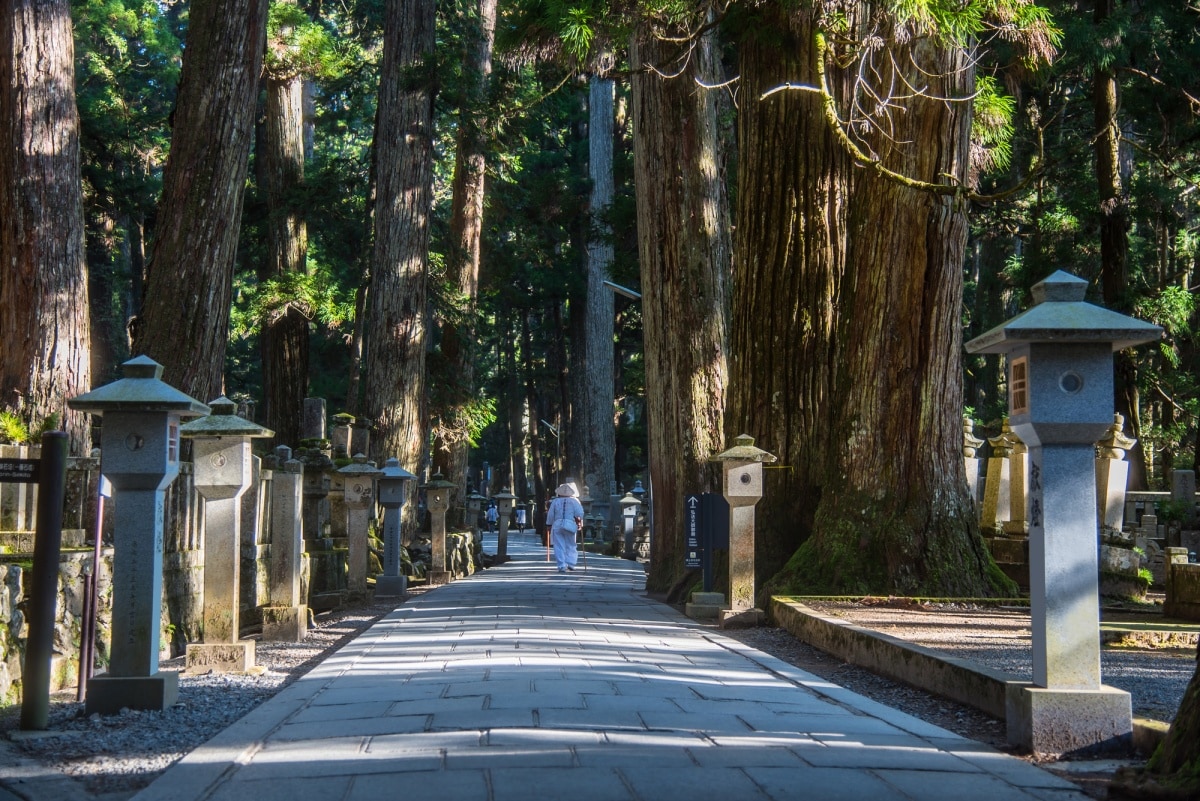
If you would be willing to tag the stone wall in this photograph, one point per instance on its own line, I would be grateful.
(14, 631)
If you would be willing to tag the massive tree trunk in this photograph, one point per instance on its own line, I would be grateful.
(685, 254)
(874, 395)
(189, 277)
(789, 258)
(592, 417)
(1114, 243)
(466, 224)
(394, 384)
(43, 266)
(285, 334)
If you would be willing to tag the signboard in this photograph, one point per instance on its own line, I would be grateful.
(20, 471)
(692, 547)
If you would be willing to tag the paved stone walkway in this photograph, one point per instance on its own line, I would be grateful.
(522, 683)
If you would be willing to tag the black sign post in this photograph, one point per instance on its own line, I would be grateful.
(51, 472)
(693, 548)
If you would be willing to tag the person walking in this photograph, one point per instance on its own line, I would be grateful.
(492, 516)
(564, 518)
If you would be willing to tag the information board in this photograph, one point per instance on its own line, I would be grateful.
(20, 471)
(693, 550)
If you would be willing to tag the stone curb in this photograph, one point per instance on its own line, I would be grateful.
(960, 680)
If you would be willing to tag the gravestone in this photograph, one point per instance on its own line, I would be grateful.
(358, 493)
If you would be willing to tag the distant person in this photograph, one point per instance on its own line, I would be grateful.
(520, 518)
(492, 516)
(564, 518)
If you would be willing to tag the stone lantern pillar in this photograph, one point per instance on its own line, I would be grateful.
(742, 486)
(1060, 383)
(358, 493)
(971, 446)
(221, 458)
(392, 582)
(437, 500)
(139, 455)
(504, 505)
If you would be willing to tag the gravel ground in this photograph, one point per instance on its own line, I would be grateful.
(113, 757)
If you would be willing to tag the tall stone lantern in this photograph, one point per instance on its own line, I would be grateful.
(437, 499)
(139, 455)
(221, 458)
(358, 494)
(1060, 397)
(742, 486)
(504, 506)
(392, 582)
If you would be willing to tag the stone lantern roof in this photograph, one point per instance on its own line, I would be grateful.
(392, 470)
(141, 389)
(361, 466)
(438, 481)
(1060, 314)
(744, 451)
(223, 421)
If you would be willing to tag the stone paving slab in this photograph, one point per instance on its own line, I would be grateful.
(521, 683)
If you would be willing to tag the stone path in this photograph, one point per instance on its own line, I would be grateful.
(520, 682)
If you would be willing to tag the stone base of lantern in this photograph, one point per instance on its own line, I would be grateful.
(705, 605)
(391, 586)
(284, 623)
(1053, 722)
(220, 657)
(108, 695)
(437, 578)
(742, 618)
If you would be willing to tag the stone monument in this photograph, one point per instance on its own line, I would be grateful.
(285, 618)
(221, 458)
(139, 455)
(1060, 385)
(437, 500)
(742, 486)
(392, 582)
(358, 493)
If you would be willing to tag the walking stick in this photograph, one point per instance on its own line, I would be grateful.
(583, 550)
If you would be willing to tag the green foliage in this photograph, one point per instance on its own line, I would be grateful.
(13, 428)
(991, 127)
(298, 45)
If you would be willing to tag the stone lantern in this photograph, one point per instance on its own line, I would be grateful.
(221, 459)
(358, 494)
(139, 455)
(474, 504)
(391, 481)
(504, 505)
(1060, 385)
(629, 504)
(437, 500)
(742, 486)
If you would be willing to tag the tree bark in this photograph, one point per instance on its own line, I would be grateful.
(43, 266)
(866, 395)
(189, 277)
(285, 335)
(466, 224)
(1114, 243)
(686, 258)
(594, 388)
(789, 259)
(394, 383)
